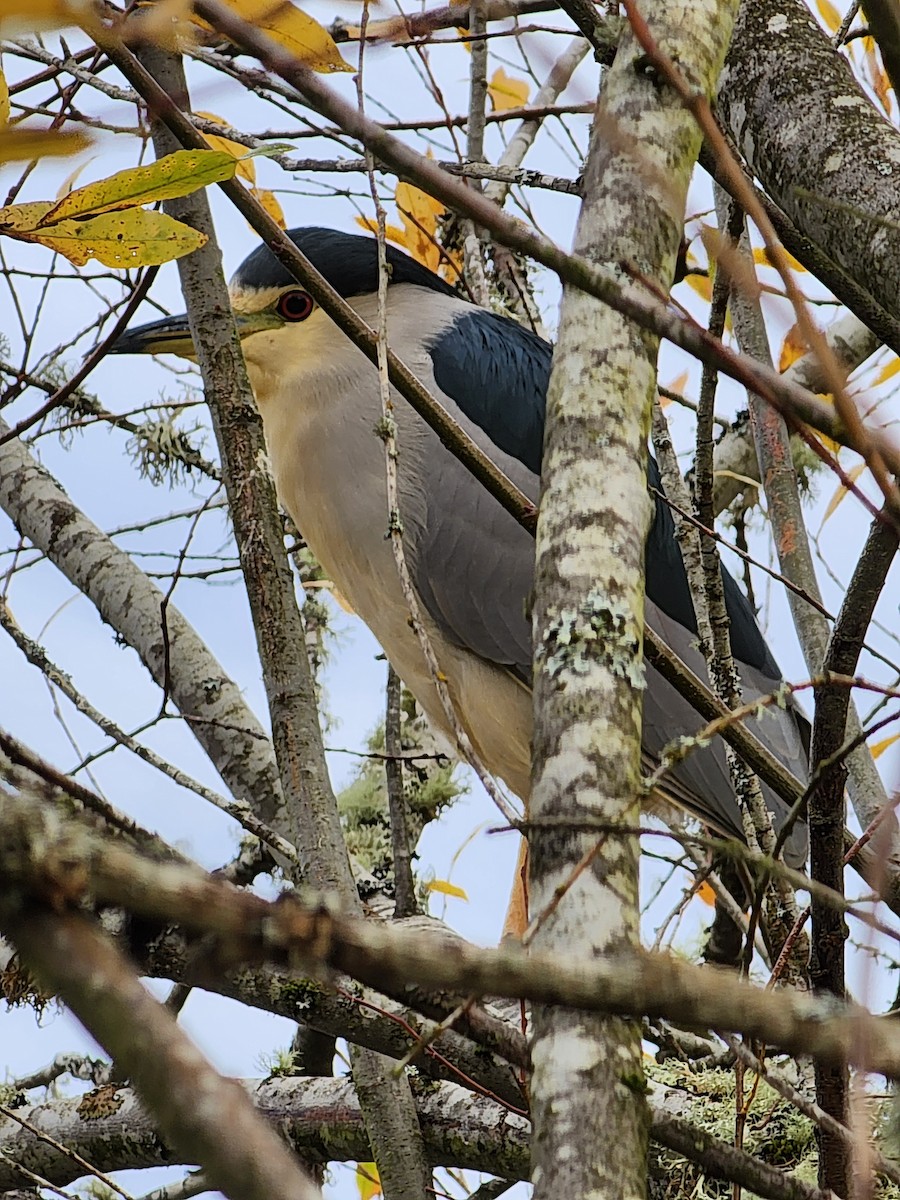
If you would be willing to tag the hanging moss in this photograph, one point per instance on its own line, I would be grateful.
(428, 787)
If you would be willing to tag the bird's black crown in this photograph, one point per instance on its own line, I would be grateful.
(349, 262)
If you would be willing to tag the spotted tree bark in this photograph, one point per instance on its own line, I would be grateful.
(820, 148)
(587, 1086)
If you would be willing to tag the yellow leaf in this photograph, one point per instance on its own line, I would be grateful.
(445, 888)
(20, 145)
(176, 174)
(761, 256)
(830, 444)
(702, 284)
(28, 16)
(793, 347)
(367, 1180)
(880, 82)
(888, 371)
(392, 232)
(72, 178)
(4, 99)
(451, 267)
(17, 218)
(507, 92)
(246, 167)
(678, 384)
(879, 747)
(419, 213)
(269, 201)
(307, 40)
(706, 894)
(168, 24)
(136, 238)
(830, 15)
(853, 474)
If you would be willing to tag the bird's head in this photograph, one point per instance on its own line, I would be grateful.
(282, 329)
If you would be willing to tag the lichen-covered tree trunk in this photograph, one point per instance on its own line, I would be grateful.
(590, 1117)
(822, 150)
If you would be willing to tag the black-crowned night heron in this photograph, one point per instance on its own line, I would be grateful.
(471, 562)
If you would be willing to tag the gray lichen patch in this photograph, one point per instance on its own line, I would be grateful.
(601, 630)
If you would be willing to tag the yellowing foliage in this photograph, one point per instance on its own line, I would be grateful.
(888, 371)
(22, 145)
(706, 894)
(367, 1181)
(269, 202)
(507, 92)
(830, 444)
(308, 41)
(881, 85)
(104, 220)
(762, 258)
(879, 747)
(134, 238)
(702, 284)
(28, 16)
(419, 213)
(417, 233)
(393, 233)
(853, 474)
(168, 24)
(830, 15)
(445, 888)
(793, 347)
(246, 167)
(177, 174)
(4, 99)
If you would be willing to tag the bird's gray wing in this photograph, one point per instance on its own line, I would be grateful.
(474, 564)
(701, 783)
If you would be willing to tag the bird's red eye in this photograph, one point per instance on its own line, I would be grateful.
(294, 306)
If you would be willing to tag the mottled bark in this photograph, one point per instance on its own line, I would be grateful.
(42, 858)
(773, 450)
(587, 1083)
(821, 149)
(191, 1102)
(826, 821)
(321, 1119)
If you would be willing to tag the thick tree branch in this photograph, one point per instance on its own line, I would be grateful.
(589, 589)
(43, 859)
(322, 1122)
(784, 90)
(191, 1102)
(176, 658)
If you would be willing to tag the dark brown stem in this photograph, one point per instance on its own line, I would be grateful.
(404, 886)
(826, 823)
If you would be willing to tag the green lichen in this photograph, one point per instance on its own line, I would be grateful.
(602, 630)
(428, 788)
(281, 1063)
(299, 994)
(774, 1130)
(635, 1082)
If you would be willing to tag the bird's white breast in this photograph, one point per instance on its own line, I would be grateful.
(328, 460)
